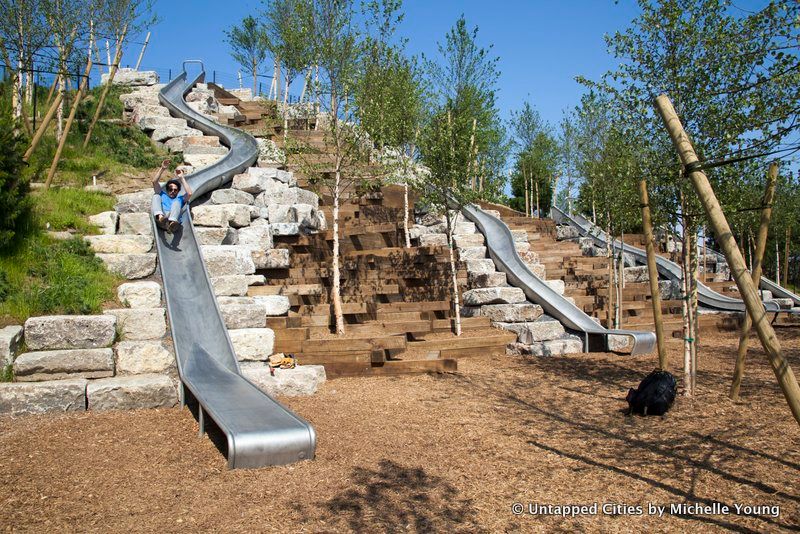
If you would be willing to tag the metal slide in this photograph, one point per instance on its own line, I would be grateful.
(258, 429)
(668, 269)
(500, 244)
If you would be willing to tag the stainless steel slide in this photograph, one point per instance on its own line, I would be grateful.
(500, 244)
(258, 429)
(668, 269)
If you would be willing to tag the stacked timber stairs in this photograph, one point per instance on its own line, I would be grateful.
(586, 281)
(253, 115)
(396, 300)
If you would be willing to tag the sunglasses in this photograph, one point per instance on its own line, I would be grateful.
(170, 189)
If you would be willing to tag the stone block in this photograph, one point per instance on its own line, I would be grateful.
(543, 329)
(495, 279)
(225, 260)
(464, 228)
(43, 397)
(522, 248)
(60, 364)
(554, 347)
(302, 380)
(276, 258)
(136, 223)
(120, 244)
(416, 231)
(216, 236)
(154, 122)
(130, 266)
(433, 240)
(140, 294)
(275, 305)
(617, 343)
(512, 313)
(231, 196)
(520, 236)
(132, 392)
(276, 192)
(70, 332)
(307, 197)
(252, 344)
(472, 253)
(468, 240)
(257, 237)
(143, 357)
(131, 77)
(566, 232)
(105, 221)
(231, 285)
(10, 340)
(556, 285)
(284, 229)
(784, 303)
(242, 314)
(493, 295)
(140, 323)
(636, 274)
(278, 213)
(221, 215)
(480, 266)
(255, 279)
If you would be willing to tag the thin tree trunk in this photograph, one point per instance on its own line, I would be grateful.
(538, 209)
(525, 185)
(620, 279)
(777, 263)
(786, 253)
(470, 169)
(336, 283)
(693, 304)
(73, 110)
(62, 89)
(705, 254)
(453, 273)
(141, 54)
(783, 372)
(610, 260)
(686, 314)
(107, 88)
(405, 200)
(652, 271)
(305, 85)
(761, 245)
(40, 131)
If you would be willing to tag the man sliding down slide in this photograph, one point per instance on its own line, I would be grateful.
(169, 202)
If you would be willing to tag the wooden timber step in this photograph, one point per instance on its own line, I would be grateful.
(299, 289)
(389, 368)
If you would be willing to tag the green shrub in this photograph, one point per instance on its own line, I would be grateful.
(14, 201)
(68, 208)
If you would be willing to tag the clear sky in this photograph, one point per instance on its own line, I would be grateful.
(542, 44)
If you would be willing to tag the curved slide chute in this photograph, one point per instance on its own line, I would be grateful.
(259, 430)
(666, 268)
(500, 244)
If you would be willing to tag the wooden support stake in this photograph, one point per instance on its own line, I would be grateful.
(141, 54)
(107, 88)
(72, 111)
(761, 245)
(724, 235)
(652, 271)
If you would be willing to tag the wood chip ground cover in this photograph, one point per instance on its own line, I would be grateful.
(446, 452)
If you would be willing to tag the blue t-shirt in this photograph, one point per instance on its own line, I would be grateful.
(166, 203)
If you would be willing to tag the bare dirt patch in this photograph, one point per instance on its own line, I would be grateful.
(442, 452)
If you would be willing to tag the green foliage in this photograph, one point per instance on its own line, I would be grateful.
(249, 46)
(464, 116)
(47, 276)
(14, 202)
(287, 33)
(537, 159)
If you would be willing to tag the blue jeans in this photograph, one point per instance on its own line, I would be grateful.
(174, 212)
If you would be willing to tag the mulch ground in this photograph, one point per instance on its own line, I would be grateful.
(449, 452)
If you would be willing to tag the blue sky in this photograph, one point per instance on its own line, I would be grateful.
(542, 45)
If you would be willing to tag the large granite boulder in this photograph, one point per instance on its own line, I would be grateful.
(43, 397)
(136, 223)
(143, 357)
(257, 237)
(252, 344)
(60, 364)
(140, 323)
(302, 380)
(226, 260)
(70, 332)
(222, 215)
(480, 266)
(231, 196)
(495, 279)
(106, 221)
(131, 77)
(512, 313)
(139, 201)
(120, 244)
(493, 295)
(216, 236)
(276, 258)
(132, 392)
(140, 294)
(543, 329)
(10, 340)
(232, 285)
(130, 266)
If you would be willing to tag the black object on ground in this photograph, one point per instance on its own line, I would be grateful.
(655, 394)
